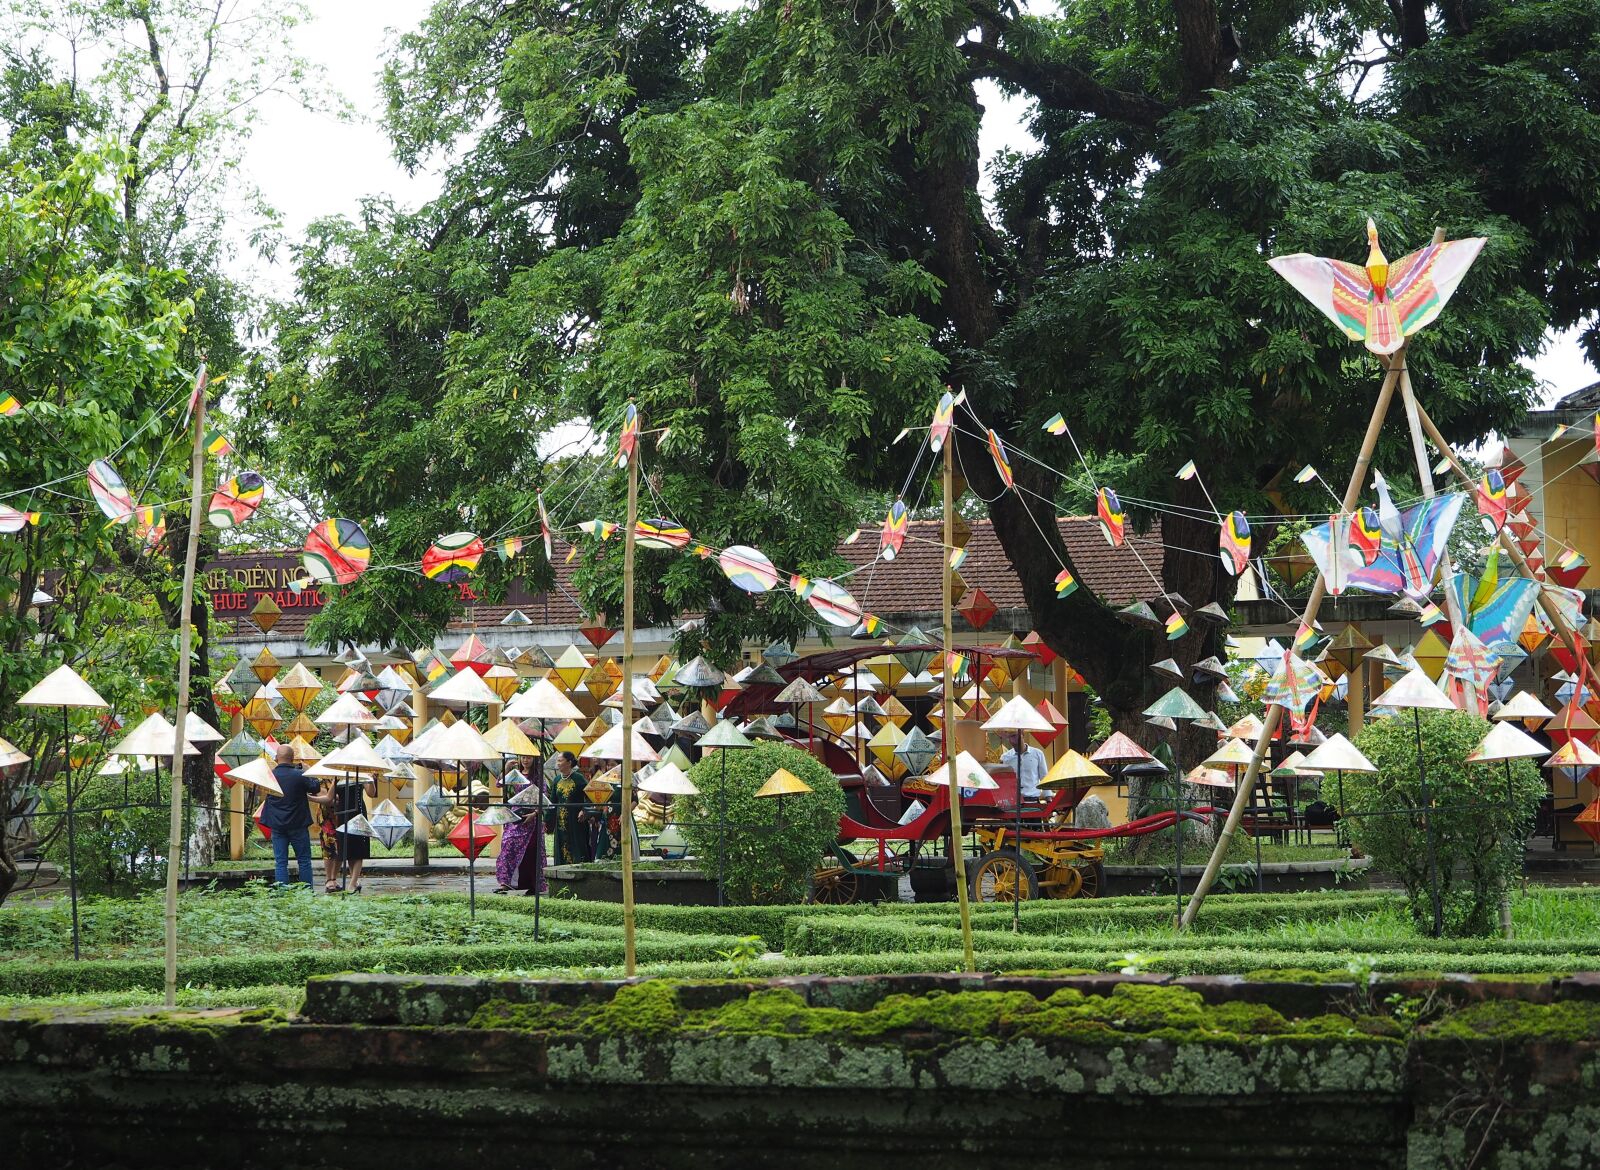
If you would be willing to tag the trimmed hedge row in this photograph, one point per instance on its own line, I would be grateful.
(1226, 912)
(295, 967)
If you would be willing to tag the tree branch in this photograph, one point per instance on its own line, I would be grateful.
(1063, 87)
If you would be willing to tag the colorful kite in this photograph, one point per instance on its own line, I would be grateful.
(660, 533)
(1381, 304)
(1492, 502)
(1471, 667)
(452, 557)
(604, 529)
(748, 568)
(9, 405)
(1113, 521)
(11, 520)
(801, 585)
(628, 441)
(509, 547)
(1366, 535)
(544, 532)
(943, 418)
(1066, 583)
(958, 557)
(1293, 685)
(150, 526)
(216, 443)
(236, 499)
(1235, 543)
(110, 492)
(1306, 474)
(1186, 472)
(834, 604)
(895, 525)
(1406, 567)
(1176, 626)
(1495, 609)
(1002, 463)
(337, 550)
(1056, 425)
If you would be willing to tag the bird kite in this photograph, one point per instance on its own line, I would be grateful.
(236, 499)
(1235, 543)
(1113, 520)
(1379, 303)
(1406, 565)
(108, 490)
(336, 550)
(748, 568)
(1366, 535)
(1495, 609)
(895, 525)
(452, 557)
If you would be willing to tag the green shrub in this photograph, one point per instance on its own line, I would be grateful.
(1472, 842)
(763, 860)
(118, 850)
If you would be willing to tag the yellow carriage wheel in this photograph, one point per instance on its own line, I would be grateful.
(1002, 876)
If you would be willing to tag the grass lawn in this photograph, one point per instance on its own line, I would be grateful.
(257, 945)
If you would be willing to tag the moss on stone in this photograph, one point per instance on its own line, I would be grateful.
(1515, 1020)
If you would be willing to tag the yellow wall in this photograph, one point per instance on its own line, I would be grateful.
(1571, 499)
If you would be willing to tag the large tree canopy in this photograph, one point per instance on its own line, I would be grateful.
(769, 228)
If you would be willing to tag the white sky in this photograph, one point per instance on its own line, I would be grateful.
(310, 165)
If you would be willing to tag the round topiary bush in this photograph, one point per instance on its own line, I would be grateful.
(1478, 827)
(763, 861)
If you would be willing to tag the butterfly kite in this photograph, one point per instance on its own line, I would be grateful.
(1495, 609)
(1381, 304)
(452, 557)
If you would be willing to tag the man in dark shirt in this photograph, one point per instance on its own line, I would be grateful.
(289, 818)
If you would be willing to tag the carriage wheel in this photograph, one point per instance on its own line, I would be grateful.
(1002, 876)
(834, 885)
(1092, 873)
(1061, 880)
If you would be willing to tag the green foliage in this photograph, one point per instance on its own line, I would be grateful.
(1472, 841)
(119, 850)
(763, 859)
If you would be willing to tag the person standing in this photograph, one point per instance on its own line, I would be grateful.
(520, 862)
(1029, 772)
(289, 817)
(354, 849)
(568, 799)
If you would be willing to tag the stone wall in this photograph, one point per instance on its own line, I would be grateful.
(925, 1071)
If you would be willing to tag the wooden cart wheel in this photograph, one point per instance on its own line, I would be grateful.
(1061, 880)
(834, 885)
(1002, 876)
(1092, 873)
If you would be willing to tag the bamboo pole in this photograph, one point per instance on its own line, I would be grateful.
(947, 694)
(627, 715)
(197, 469)
(1352, 493)
(419, 823)
(236, 803)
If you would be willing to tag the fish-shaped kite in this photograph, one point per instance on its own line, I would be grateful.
(1002, 462)
(236, 499)
(1492, 501)
(336, 550)
(1235, 543)
(1113, 520)
(452, 557)
(660, 533)
(1379, 303)
(895, 525)
(943, 418)
(628, 441)
(108, 490)
(12, 521)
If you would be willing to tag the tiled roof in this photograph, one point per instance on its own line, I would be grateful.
(909, 584)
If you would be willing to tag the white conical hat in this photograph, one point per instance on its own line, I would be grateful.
(465, 686)
(1338, 754)
(259, 773)
(969, 774)
(1522, 705)
(62, 687)
(196, 730)
(668, 780)
(153, 737)
(609, 747)
(1415, 690)
(543, 700)
(1017, 714)
(347, 709)
(1506, 742)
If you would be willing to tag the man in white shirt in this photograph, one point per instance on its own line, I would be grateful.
(1030, 773)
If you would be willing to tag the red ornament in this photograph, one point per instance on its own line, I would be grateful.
(1057, 721)
(1036, 645)
(266, 833)
(597, 632)
(481, 835)
(1588, 821)
(474, 654)
(977, 609)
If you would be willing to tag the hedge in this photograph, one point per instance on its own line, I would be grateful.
(295, 967)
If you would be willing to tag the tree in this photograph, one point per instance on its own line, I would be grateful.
(89, 347)
(177, 85)
(768, 229)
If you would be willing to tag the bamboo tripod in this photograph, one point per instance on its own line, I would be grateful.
(957, 848)
(1422, 430)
